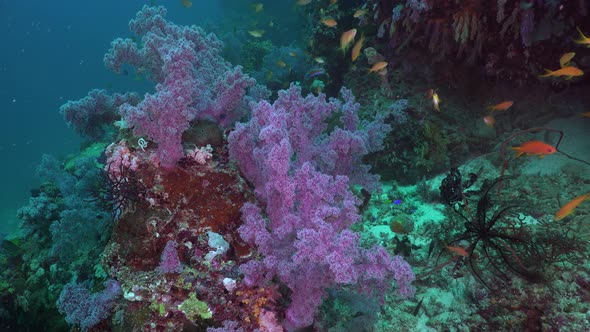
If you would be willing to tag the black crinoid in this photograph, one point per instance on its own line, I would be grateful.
(124, 188)
(499, 244)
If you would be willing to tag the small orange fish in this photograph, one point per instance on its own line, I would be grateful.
(583, 39)
(586, 114)
(186, 3)
(333, 2)
(489, 120)
(565, 59)
(570, 206)
(329, 22)
(347, 38)
(293, 54)
(501, 106)
(378, 66)
(568, 72)
(281, 63)
(534, 148)
(356, 49)
(458, 250)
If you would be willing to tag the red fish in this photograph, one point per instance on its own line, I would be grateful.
(501, 106)
(534, 148)
(570, 206)
(458, 250)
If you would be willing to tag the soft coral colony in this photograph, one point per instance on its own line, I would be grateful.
(199, 242)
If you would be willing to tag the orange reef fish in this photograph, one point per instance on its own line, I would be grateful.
(568, 72)
(489, 120)
(347, 38)
(329, 22)
(356, 49)
(378, 66)
(501, 106)
(458, 250)
(583, 39)
(586, 114)
(570, 206)
(534, 148)
(281, 63)
(186, 3)
(566, 58)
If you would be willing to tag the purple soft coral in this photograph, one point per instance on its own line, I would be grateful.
(303, 121)
(302, 173)
(85, 309)
(194, 82)
(90, 115)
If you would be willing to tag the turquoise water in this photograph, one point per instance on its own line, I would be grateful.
(309, 165)
(55, 55)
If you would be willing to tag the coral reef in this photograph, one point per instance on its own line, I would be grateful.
(211, 204)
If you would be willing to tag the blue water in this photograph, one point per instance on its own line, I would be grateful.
(52, 52)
